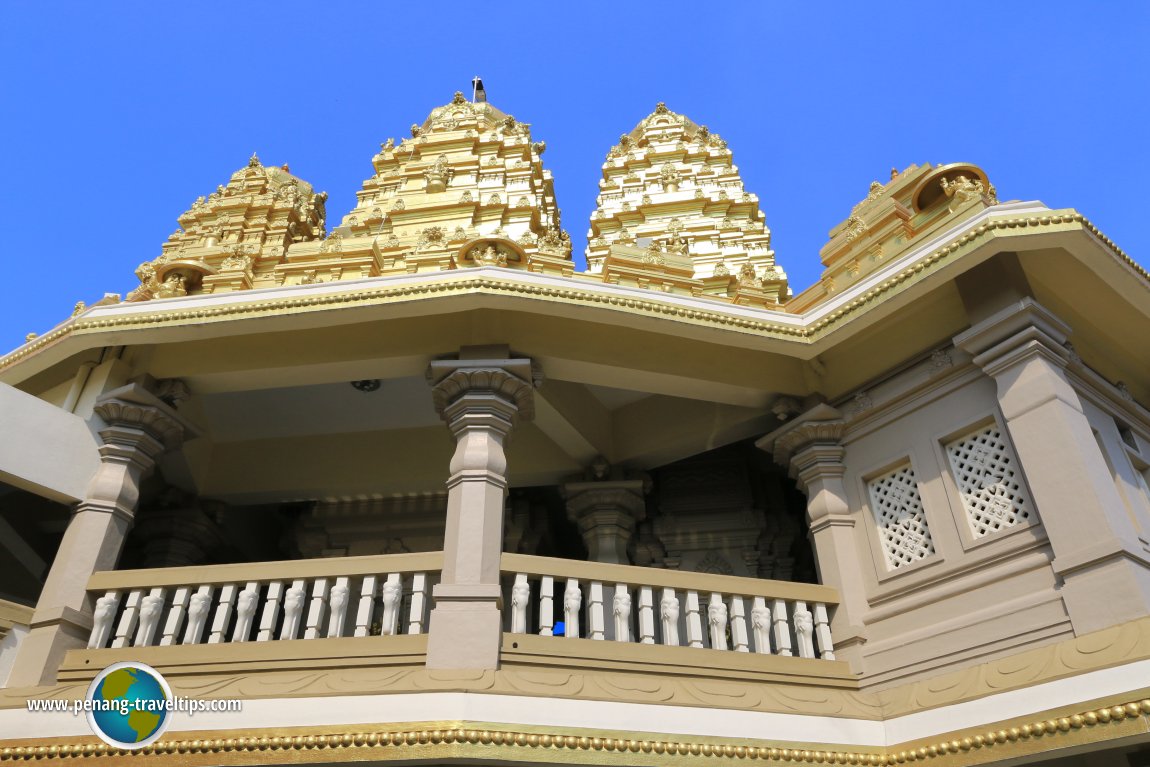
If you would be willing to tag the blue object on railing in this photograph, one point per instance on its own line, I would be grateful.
(560, 629)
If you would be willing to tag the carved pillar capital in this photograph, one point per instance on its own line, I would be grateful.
(462, 385)
(810, 449)
(607, 513)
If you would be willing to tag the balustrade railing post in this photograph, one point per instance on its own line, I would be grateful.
(823, 632)
(694, 620)
(315, 613)
(621, 610)
(198, 607)
(294, 602)
(596, 624)
(418, 612)
(782, 629)
(572, 602)
(392, 596)
(271, 611)
(366, 605)
(151, 607)
(717, 622)
(646, 615)
(520, 597)
(738, 625)
(669, 613)
(246, 604)
(337, 601)
(223, 613)
(547, 606)
(102, 618)
(128, 618)
(804, 630)
(761, 625)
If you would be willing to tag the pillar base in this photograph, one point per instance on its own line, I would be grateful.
(42, 651)
(465, 635)
(1107, 591)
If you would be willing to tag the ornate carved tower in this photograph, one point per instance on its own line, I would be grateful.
(669, 189)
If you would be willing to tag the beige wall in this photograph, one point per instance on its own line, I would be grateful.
(974, 598)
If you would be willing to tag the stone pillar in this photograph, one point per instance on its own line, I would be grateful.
(177, 536)
(481, 396)
(607, 510)
(1106, 580)
(139, 428)
(812, 451)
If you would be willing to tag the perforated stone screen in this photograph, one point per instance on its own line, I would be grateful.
(901, 520)
(986, 473)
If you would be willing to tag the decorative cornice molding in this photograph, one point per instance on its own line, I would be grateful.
(653, 306)
(134, 407)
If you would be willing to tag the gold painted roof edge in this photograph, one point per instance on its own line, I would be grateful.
(581, 292)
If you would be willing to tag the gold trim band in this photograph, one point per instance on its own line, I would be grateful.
(989, 738)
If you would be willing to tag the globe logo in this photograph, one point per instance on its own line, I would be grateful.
(129, 705)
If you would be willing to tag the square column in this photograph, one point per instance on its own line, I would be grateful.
(139, 428)
(813, 452)
(1106, 572)
(481, 400)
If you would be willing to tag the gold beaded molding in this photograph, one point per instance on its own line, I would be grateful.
(369, 742)
(920, 267)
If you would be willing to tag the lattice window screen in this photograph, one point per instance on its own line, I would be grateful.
(901, 519)
(986, 472)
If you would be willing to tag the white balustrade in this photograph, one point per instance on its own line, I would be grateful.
(263, 608)
(263, 603)
(726, 613)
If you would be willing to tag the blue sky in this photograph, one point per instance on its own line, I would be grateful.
(116, 116)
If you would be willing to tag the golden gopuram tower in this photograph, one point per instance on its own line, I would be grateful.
(673, 215)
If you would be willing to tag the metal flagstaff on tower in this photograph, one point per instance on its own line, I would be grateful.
(478, 95)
